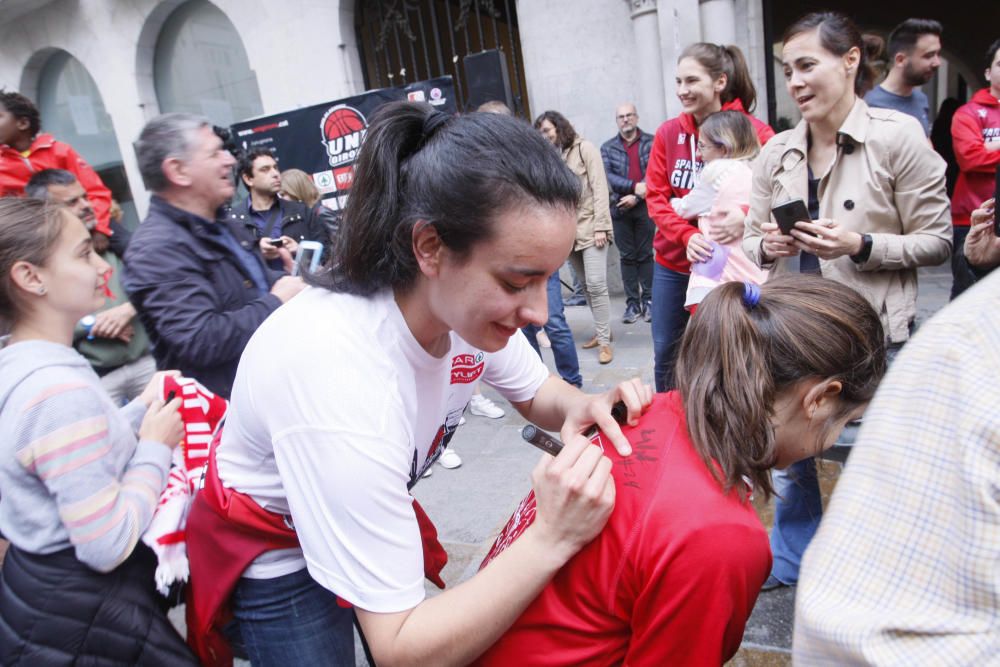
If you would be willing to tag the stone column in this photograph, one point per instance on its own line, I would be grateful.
(718, 21)
(650, 96)
(680, 25)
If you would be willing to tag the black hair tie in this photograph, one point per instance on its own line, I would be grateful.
(432, 123)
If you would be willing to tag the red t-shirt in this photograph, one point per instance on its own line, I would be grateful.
(672, 578)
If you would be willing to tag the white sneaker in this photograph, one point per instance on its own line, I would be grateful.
(450, 459)
(461, 421)
(484, 407)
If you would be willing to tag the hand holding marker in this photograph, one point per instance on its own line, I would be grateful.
(552, 445)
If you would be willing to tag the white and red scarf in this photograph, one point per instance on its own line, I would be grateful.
(203, 413)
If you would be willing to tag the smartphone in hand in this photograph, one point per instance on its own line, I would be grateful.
(277, 243)
(788, 213)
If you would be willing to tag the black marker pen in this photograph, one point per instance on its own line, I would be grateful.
(541, 439)
(551, 445)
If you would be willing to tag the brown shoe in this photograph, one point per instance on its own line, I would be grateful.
(591, 344)
(606, 355)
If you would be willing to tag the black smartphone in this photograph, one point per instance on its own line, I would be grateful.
(996, 200)
(277, 243)
(788, 213)
(171, 395)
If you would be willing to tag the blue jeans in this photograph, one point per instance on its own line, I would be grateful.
(292, 620)
(563, 347)
(797, 511)
(798, 507)
(669, 320)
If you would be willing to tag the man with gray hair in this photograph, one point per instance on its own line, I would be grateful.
(200, 292)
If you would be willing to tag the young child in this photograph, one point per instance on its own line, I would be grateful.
(727, 144)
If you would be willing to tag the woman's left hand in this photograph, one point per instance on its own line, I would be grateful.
(152, 390)
(826, 239)
(594, 409)
(600, 239)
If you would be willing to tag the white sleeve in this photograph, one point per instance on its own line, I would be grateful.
(516, 371)
(353, 515)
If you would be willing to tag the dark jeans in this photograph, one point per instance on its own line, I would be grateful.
(962, 277)
(634, 236)
(292, 620)
(563, 347)
(669, 320)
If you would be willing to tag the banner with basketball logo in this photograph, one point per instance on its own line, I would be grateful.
(323, 140)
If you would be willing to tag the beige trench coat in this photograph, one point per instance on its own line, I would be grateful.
(593, 212)
(886, 181)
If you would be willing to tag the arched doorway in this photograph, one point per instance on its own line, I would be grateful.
(201, 67)
(72, 110)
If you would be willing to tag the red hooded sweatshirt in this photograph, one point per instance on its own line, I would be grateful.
(974, 124)
(47, 153)
(671, 173)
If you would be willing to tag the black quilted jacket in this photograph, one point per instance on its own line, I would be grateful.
(56, 611)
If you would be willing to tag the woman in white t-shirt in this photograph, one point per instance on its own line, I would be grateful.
(353, 389)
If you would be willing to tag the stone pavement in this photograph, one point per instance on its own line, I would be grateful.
(471, 503)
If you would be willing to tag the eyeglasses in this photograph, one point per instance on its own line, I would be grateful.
(626, 116)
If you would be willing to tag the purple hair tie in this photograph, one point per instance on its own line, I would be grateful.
(751, 295)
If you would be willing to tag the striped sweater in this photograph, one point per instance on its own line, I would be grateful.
(72, 472)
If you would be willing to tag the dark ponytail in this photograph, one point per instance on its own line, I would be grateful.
(718, 60)
(456, 173)
(838, 34)
(735, 359)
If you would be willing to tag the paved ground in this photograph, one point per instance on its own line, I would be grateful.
(471, 503)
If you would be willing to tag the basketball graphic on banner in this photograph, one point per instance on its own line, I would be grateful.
(344, 129)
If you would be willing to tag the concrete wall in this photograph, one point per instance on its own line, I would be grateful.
(577, 61)
(302, 52)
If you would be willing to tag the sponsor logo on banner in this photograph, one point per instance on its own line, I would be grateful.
(416, 96)
(436, 98)
(344, 177)
(324, 181)
(466, 368)
(344, 129)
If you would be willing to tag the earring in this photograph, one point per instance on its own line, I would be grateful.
(42, 290)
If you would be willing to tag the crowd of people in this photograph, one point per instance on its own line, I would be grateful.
(778, 273)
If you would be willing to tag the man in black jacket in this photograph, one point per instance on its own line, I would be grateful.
(201, 290)
(276, 225)
(625, 158)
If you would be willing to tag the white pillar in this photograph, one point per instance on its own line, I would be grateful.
(679, 26)
(650, 97)
(718, 21)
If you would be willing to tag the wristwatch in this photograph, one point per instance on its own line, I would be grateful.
(866, 250)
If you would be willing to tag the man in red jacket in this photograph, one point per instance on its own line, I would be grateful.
(975, 132)
(24, 152)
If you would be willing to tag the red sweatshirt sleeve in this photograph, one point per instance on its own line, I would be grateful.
(673, 227)
(698, 597)
(97, 192)
(970, 150)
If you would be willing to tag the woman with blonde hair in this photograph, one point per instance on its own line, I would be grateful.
(297, 185)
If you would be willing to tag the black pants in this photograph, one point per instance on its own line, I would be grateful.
(962, 276)
(634, 235)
